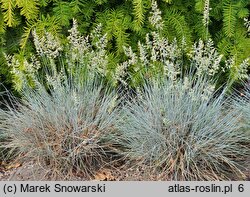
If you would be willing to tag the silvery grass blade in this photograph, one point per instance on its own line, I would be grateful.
(183, 129)
(66, 125)
(242, 103)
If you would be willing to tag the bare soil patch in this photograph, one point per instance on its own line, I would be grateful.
(33, 172)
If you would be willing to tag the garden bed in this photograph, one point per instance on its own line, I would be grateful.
(33, 172)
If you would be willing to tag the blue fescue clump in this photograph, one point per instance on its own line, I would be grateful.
(184, 130)
(242, 103)
(66, 126)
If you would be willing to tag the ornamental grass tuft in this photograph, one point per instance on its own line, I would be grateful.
(183, 130)
(66, 126)
(242, 103)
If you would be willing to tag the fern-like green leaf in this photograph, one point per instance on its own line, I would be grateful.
(29, 8)
(243, 12)
(100, 2)
(199, 6)
(8, 11)
(63, 12)
(241, 44)
(116, 23)
(225, 46)
(174, 20)
(49, 24)
(2, 24)
(84, 7)
(27, 31)
(75, 6)
(230, 10)
(139, 12)
(201, 30)
(240, 51)
(44, 2)
(217, 10)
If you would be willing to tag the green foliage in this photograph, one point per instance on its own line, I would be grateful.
(29, 8)
(116, 23)
(139, 9)
(49, 24)
(176, 22)
(230, 10)
(2, 24)
(64, 12)
(199, 6)
(8, 11)
(126, 22)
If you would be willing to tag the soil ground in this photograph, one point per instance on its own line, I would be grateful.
(32, 172)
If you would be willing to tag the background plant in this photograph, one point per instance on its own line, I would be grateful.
(88, 52)
(155, 56)
(180, 128)
(126, 22)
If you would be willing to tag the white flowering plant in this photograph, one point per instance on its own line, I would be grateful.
(154, 56)
(88, 52)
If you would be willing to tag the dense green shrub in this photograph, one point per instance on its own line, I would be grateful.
(125, 22)
(182, 129)
(156, 56)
